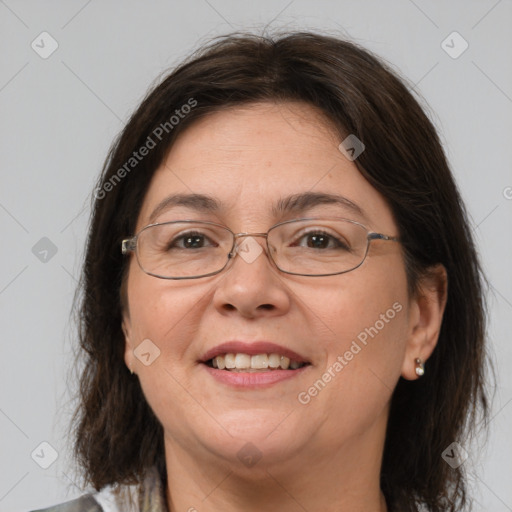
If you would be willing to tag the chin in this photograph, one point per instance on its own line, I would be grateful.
(256, 424)
(256, 434)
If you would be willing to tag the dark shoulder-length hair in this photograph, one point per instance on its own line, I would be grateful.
(117, 436)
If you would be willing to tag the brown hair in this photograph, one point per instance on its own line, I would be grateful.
(117, 435)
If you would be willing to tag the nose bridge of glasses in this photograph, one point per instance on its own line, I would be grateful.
(240, 235)
(239, 239)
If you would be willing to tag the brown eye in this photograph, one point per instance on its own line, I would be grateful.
(191, 240)
(322, 240)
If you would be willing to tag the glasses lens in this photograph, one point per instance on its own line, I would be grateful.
(183, 249)
(318, 246)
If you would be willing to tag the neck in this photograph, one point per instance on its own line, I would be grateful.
(345, 479)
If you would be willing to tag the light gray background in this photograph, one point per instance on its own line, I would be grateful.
(59, 116)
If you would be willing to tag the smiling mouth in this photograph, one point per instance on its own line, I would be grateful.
(256, 363)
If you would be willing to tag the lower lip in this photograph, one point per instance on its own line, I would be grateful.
(255, 379)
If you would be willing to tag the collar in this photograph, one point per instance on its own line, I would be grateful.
(147, 497)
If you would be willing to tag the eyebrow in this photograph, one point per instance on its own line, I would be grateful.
(299, 203)
(199, 202)
(293, 204)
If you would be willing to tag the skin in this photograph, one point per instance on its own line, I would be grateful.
(326, 454)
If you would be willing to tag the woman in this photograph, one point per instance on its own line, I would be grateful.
(282, 304)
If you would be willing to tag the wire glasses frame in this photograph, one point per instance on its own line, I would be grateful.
(132, 245)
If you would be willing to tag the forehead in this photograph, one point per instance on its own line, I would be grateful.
(251, 158)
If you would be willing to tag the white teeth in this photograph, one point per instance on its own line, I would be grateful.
(257, 362)
(274, 360)
(285, 362)
(229, 359)
(242, 361)
(260, 361)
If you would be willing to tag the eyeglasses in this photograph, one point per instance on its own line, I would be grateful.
(189, 249)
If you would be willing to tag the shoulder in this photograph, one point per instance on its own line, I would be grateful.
(83, 504)
(149, 496)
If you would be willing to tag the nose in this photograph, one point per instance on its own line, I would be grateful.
(251, 284)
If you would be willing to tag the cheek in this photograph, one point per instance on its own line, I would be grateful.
(353, 387)
(363, 306)
(367, 324)
(167, 317)
(161, 312)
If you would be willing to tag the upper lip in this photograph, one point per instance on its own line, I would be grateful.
(252, 349)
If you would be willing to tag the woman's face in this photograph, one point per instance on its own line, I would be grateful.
(351, 328)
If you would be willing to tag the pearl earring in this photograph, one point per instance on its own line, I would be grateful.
(420, 367)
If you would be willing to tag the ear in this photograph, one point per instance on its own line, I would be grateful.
(129, 357)
(426, 316)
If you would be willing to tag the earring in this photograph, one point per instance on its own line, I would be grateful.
(420, 367)
(131, 371)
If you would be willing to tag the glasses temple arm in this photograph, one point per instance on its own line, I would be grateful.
(128, 244)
